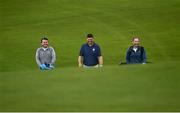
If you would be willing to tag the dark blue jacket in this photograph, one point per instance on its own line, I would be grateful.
(90, 54)
(133, 57)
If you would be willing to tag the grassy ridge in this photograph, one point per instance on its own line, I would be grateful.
(126, 88)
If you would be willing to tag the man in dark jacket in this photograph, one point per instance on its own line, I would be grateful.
(136, 54)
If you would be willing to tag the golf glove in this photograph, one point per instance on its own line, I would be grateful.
(42, 66)
(49, 66)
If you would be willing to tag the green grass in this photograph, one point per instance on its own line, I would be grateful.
(126, 88)
(151, 87)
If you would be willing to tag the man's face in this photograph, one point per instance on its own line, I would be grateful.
(44, 43)
(136, 42)
(90, 40)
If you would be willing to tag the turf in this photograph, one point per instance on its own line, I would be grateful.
(151, 87)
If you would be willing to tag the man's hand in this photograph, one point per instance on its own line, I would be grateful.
(49, 67)
(42, 66)
(80, 65)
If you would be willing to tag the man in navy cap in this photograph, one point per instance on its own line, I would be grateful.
(90, 54)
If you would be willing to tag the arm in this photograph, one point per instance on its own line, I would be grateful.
(53, 56)
(80, 61)
(81, 58)
(37, 57)
(100, 59)
(128, 57)
(144, 58)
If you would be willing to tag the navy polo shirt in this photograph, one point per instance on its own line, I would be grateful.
(90, 54)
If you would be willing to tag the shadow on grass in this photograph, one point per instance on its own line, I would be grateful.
(124, 63)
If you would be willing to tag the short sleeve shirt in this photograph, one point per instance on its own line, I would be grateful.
(90, 54)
